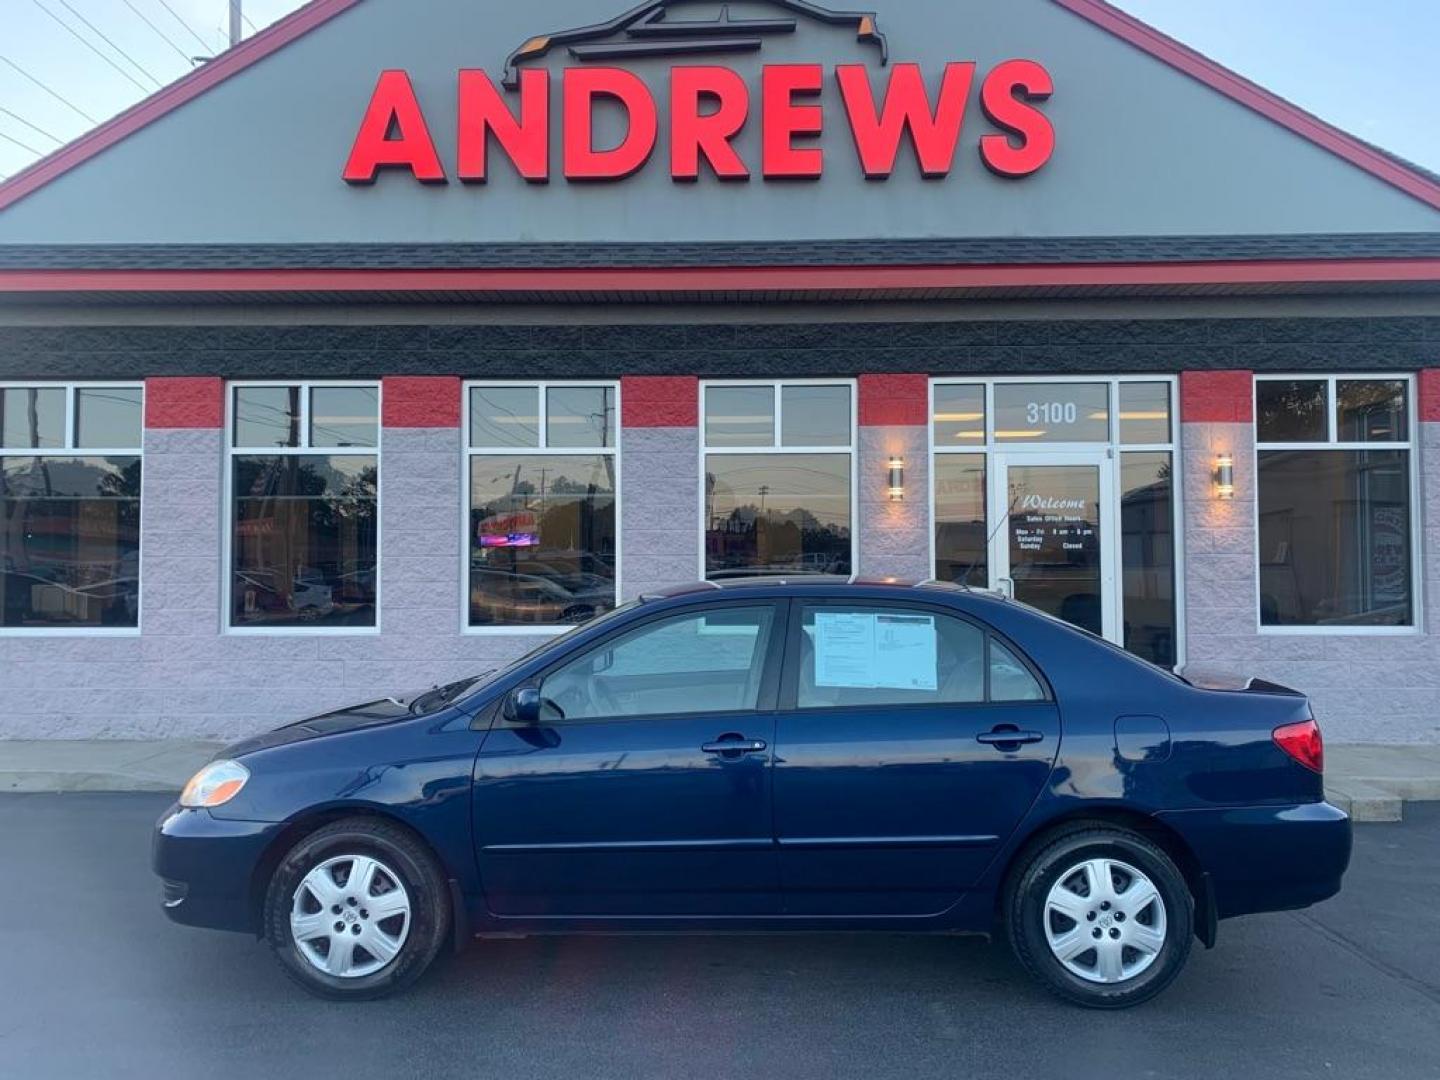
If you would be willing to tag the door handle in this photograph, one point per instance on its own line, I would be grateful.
(1006, 736)
(735, 746)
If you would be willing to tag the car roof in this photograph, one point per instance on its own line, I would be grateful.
(802, 583)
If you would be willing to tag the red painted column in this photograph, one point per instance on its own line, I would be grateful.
(1430, 396)
(180, 403)
(420, 401)
(665, 401)
(1217, 397)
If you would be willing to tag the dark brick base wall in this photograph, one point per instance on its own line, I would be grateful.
(722, 350)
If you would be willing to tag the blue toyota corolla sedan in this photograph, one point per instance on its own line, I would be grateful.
(773, 755)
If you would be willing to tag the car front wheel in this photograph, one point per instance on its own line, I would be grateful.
(357, 910)
(1101, 916)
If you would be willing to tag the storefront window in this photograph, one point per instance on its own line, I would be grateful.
(70, 519)
(304, 525)
(1336, 547)
(779, 476)
(542, 502)
(962, 530)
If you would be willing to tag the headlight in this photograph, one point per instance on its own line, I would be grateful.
(215, 784)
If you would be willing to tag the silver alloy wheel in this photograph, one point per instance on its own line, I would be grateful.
(1105, 921)
(350, 916)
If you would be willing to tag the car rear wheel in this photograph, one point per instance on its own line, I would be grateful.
(1101, 916)
(357, 910)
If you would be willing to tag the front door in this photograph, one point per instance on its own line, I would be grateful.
(1056, 548)
(646, 790)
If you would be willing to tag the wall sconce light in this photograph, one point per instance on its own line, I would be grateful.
(1225, 477)
(897, 479)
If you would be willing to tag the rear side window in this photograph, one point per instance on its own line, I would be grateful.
(1010, 679)
(863, 655)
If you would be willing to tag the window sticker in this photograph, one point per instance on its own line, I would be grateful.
(873, 652)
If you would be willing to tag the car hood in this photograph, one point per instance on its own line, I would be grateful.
(354, 718)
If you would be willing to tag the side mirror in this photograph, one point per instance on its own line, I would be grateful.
(524, 706)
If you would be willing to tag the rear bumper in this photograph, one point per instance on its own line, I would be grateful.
(207, 867)
(1268, 858)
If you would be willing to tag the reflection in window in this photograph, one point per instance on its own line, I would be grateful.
(267, 416)
(505, 416)
(1147, 527)
(345, 417)
(107, 417)
(961, 524)
(69, 541)
(815, 416)
(777, 513)
(1373, 411)
(1292, 411)
(959, 415)
(1335, 538)
(542, 538)
(1144, 413)
(303, 541)
(739, 416)
(580, 416)
(32, 418)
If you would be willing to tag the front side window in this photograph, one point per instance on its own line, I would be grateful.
(700, 662)
(70, 465)
(779, 472)
(543, 490)
(1335, 487)
(304, 474)
(872, 656)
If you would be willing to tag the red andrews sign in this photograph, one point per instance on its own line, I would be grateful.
(708, 107)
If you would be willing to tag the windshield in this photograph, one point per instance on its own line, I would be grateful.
(1090, 635)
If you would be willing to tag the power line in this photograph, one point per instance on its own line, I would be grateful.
(27, 123)
(23, 146)
(86, 42)
(58, 97)
(103, 37)
(183, 54)
(253, 28)
(203, 43)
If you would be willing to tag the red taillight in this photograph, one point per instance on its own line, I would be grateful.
(1303, 743)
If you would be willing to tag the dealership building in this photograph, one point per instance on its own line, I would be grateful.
(402, 337)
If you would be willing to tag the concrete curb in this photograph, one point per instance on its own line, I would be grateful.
(158, 766)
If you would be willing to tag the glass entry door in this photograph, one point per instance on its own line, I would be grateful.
(1055, 547)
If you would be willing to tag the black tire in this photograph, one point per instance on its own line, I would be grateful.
(418, 872)
(1052, 859)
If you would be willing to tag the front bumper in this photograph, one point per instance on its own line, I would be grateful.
(1267, 858)
(207, 868)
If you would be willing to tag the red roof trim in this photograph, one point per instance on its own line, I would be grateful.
(721, 279)
(171, 97)
(1238, 88)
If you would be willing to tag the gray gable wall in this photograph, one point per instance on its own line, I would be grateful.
(1143, 149)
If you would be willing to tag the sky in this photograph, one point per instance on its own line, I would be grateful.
(1369, 67)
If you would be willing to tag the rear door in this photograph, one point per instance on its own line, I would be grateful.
(646, 791)
(910, 744)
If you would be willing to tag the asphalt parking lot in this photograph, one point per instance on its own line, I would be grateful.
(95, 982)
